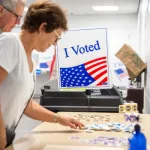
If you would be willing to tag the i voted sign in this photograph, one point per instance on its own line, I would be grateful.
(83, 59)
(82, 49)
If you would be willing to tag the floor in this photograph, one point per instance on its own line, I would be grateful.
(26, 124)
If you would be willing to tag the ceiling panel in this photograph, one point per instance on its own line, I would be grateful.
(81, 7)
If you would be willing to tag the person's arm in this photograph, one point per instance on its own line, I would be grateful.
(8, 61)
(3, 75)
(35, 111)
(2, 132)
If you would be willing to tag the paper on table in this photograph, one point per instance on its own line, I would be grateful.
(67, 147)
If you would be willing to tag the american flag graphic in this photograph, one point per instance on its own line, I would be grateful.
(91, 73)
(121, 73)
(45, 64)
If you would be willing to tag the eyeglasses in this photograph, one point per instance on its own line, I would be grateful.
(17, 16)
(58, 36)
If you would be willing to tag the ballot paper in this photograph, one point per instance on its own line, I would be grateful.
(68, 147)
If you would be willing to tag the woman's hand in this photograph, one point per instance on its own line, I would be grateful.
(69, 121)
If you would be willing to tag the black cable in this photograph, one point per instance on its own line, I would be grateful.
(88, 93)
(89, 98)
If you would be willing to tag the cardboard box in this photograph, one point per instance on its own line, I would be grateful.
(131, 60)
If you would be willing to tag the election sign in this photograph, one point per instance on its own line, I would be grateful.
(83, 59)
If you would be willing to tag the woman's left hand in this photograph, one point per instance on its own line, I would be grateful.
(69, 121)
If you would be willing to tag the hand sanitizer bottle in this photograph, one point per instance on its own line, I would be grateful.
(138, 140)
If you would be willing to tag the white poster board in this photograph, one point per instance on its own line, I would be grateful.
(83, 59)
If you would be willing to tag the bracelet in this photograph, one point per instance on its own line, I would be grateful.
(55, 118)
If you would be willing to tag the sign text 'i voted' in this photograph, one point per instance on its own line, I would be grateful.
(78, 50)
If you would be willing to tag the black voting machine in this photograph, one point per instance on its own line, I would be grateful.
(90, 100)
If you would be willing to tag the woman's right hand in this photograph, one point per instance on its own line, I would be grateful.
(3, 141)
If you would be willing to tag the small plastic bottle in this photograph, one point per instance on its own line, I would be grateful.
(138, 140)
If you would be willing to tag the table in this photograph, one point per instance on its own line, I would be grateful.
(60, 147)
(55, 134)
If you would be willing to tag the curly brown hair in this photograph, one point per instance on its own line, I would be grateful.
(44, 11)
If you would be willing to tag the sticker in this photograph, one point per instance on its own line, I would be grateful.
(74, 138)
(109, 141)
(89, 131)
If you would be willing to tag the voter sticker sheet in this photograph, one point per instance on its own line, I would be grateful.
(82, 57)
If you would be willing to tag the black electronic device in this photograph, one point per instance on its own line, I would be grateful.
(91, 100)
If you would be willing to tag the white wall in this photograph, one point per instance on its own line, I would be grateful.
(144, 45)
(147, 56)
(121, 29)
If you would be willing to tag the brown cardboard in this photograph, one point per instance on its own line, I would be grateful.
(131, 60)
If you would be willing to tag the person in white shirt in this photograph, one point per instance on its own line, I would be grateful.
(43, 25)
(11, 12)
